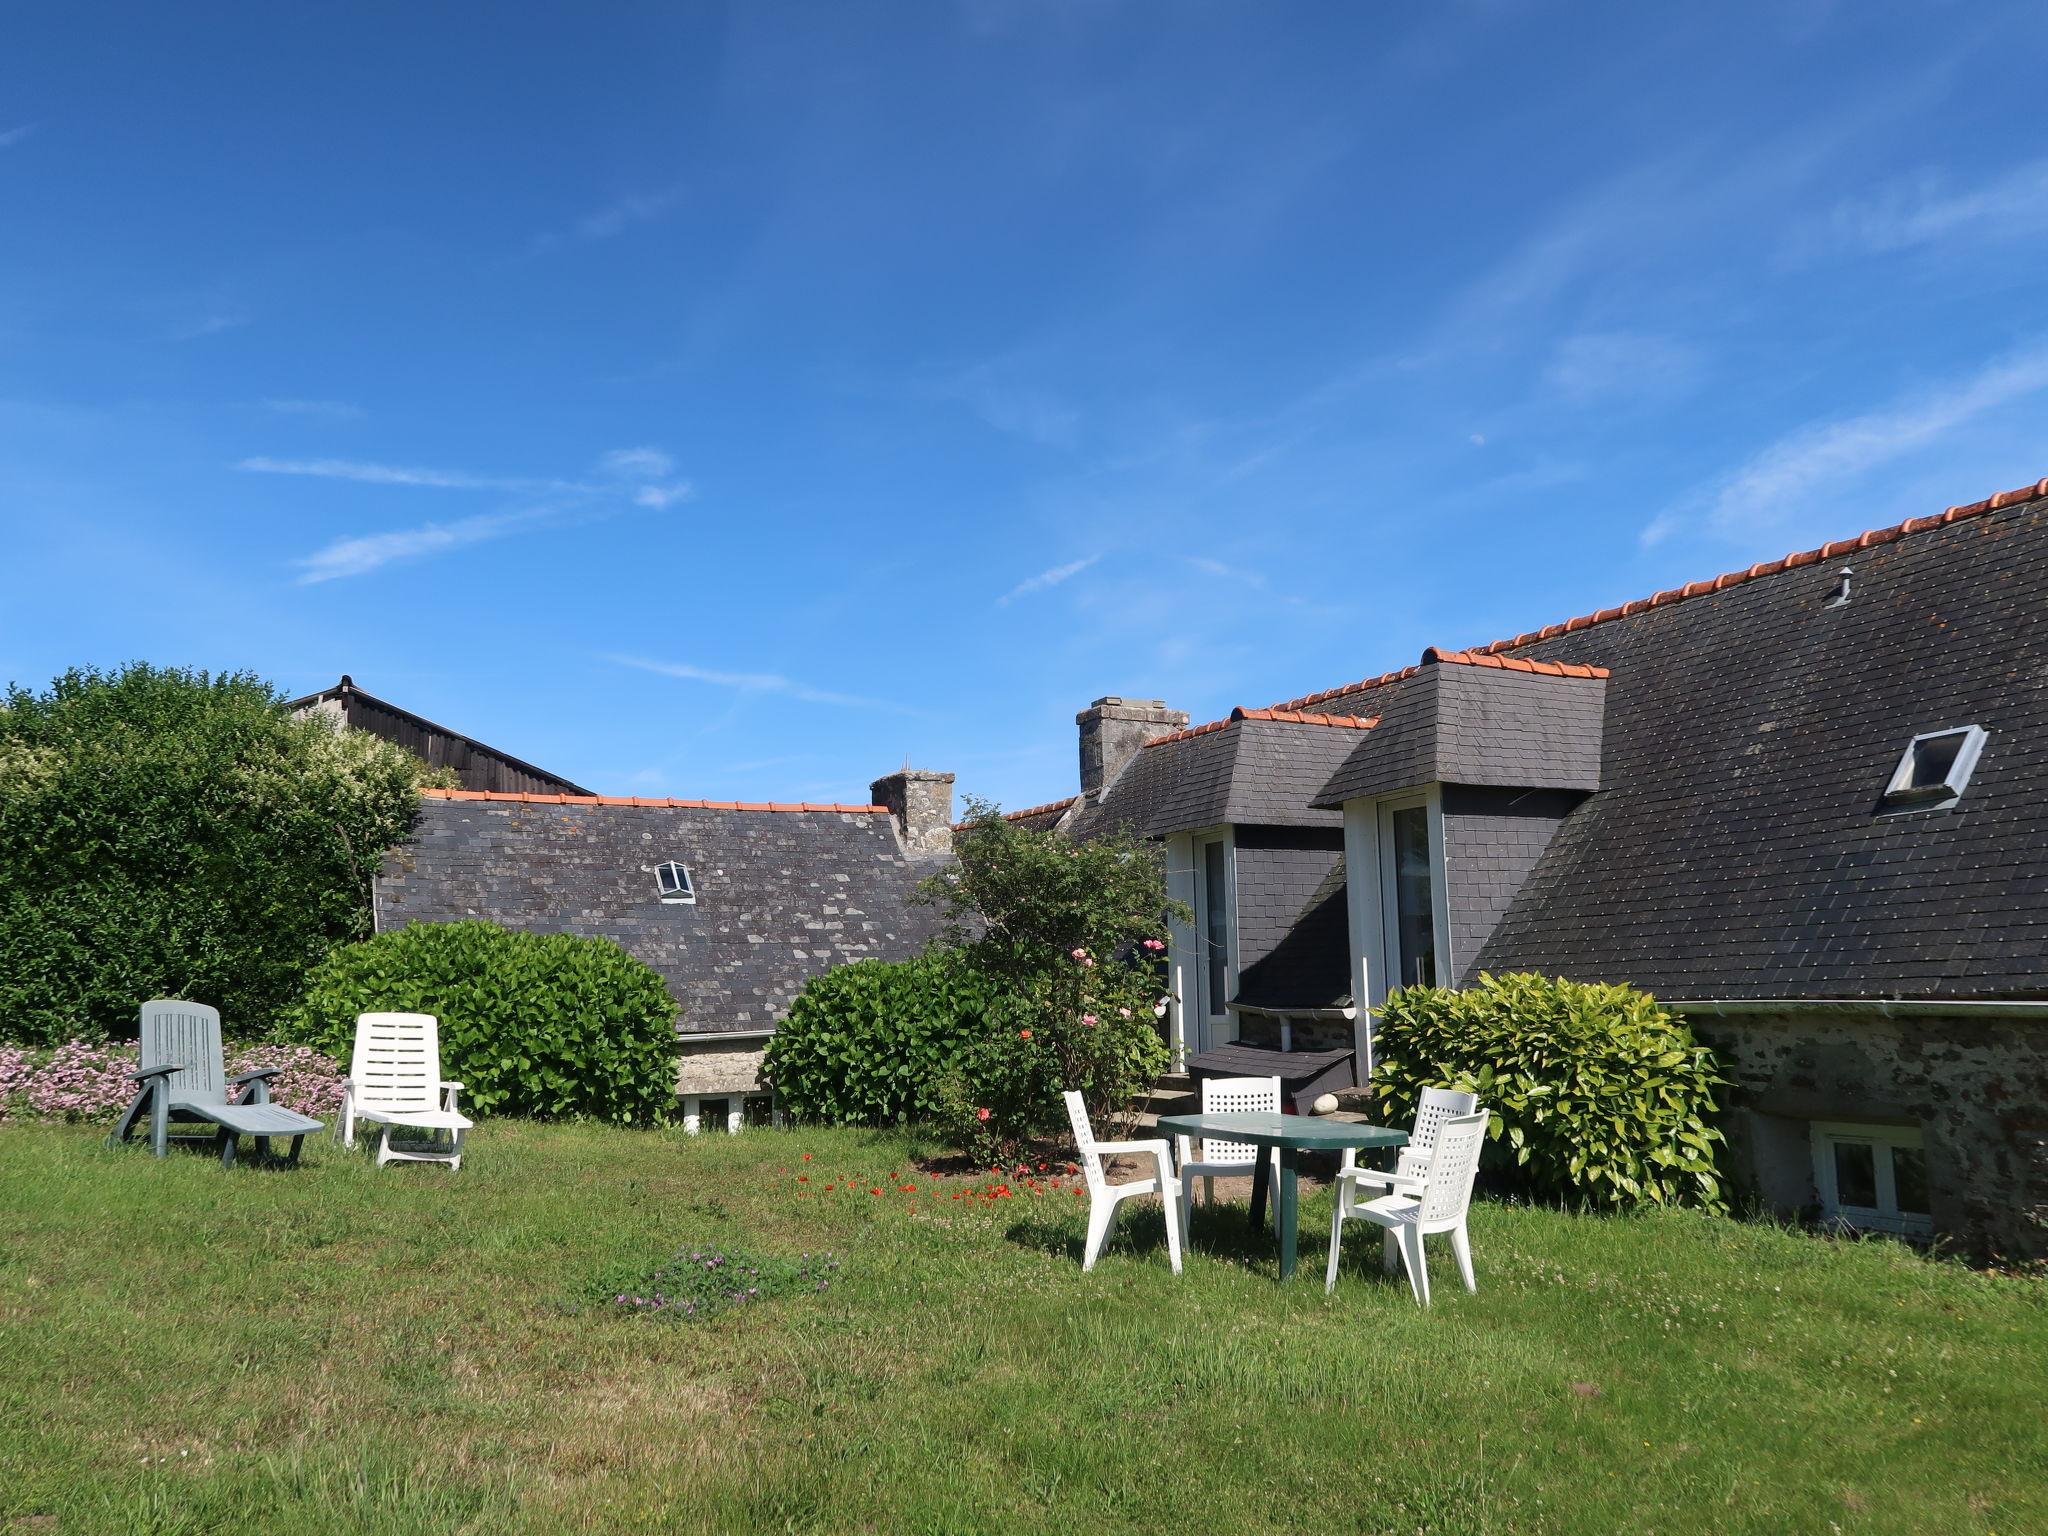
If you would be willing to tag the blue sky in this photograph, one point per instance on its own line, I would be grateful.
(737, 402)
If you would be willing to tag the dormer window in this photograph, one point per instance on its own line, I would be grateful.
(1935, 770)
(672, 880)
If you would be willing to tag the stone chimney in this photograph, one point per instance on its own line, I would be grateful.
(922, 803)
(1112, 731)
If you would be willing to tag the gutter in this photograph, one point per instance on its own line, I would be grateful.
(1881, 1007)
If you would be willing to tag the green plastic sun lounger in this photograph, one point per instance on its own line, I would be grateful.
(181, 1078)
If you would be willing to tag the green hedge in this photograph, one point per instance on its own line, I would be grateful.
(166, 833)
(538, 1024)
(1597, 1094)
(870, 1043)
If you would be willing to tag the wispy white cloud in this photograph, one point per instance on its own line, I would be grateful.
(657, 497)
(997, 393)
(13, 136)
(1046, 579)
(354, 556)
(1599, 365)
(1929, 210)
(636, 464)
(211, 320)
(610, 221)
(321, 410)
(1210, 566)
(1817, 458)
(368, 473)
(754, 682)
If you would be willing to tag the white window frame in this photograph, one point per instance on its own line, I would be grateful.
(1375, 935)
(1215, 1024)
(1901, 794)
(686, 895)
(1885, 1216)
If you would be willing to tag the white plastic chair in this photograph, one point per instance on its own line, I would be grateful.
(1436, 1107)
(1225, 1096)
(395, 1082)
(1441, 1198)
(1106, 1199)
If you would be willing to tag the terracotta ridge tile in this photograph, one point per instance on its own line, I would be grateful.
(1830, 551)
(526, 797)
(1033, 810)
(1512, 663)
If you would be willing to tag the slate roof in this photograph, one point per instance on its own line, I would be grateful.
(1293, 923)
(1258, 767)
(1465, 719)
(1736, 848)
(784, 892)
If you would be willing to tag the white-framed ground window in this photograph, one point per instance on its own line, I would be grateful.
(1873, 1177)
(1215, 940)
(1412, 895)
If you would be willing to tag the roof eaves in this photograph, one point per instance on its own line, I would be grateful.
(646, 803)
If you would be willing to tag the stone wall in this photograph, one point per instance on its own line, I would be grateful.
(721, 1066)
(1976, 1087)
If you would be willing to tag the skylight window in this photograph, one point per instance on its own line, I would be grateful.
(673, 881)
(1935, 770)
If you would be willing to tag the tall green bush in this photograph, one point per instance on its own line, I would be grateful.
(174, 833)
(537, 1024)
(1067, 935)
(1597, 1094)
(869, 1043)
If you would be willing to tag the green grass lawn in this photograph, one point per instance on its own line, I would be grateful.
(336, 1349)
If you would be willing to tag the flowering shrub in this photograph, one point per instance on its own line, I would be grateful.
(306, 1080)
(1067, 935)
(699, 1282)
(85, 1080)
(81, 1081)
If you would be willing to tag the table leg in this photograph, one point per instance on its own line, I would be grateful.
(1284, 1210)
(1260, 1179)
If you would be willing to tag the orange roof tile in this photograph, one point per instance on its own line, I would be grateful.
(1511, 663)
(525, 798)
(1291, 717)
(1830, 551)
(1034, 810)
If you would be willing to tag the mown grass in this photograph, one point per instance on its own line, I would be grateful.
(337, 1349)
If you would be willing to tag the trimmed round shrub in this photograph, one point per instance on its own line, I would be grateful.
(871, 1042)
(535, 1024)
(1597, 1095)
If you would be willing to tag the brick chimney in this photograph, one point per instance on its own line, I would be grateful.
(922, 803)
(1112, 731)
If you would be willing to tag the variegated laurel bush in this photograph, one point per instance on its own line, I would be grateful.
(1597, 1095)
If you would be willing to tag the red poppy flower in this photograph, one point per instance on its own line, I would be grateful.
(1023, 1034)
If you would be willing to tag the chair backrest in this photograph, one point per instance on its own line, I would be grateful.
(397, 1061)
(1084, 1140)
(1447, 1189)
(1438, 1105)
(1237, 1096)
(185, 1036)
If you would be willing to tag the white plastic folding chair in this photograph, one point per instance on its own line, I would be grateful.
(1225, 1096)
(394, 1082)
(1436, 1107)
(1439, 1203)
(1106, 1199)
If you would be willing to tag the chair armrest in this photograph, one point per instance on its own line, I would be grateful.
(255, 1086)
(1392, 1183)
(1153, 1149)
(450, 1083)
(148, 1072)
(448, 1092)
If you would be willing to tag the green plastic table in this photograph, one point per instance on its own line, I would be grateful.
(1291, 1134)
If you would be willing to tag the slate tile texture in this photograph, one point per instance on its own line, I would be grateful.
(781, 895)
